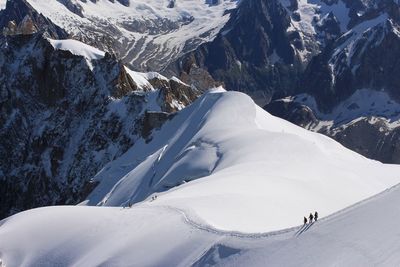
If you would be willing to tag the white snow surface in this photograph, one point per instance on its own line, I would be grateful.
(363, 235)
(254, 173)
(77, 48)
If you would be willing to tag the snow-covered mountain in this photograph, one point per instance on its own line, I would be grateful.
(252, 174)
(66, 110)
(268, 49)
(147, 35)
(218, 181)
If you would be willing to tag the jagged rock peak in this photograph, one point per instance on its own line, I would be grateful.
(19, 17)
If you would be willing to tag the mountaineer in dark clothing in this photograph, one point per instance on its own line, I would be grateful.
(316, 216)
(311, 217)
(305, 220)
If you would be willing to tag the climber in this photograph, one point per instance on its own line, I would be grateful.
(311, 217)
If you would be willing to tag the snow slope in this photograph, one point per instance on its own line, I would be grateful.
(248, 161)
(251, 173)
(365, 235)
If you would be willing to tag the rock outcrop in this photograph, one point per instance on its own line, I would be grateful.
(64, 116)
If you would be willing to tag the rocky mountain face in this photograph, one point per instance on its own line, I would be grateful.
(353, 83)
(253, 53)
(19, 17)
(65, 115)
(288, 46)
(367, 122)
(277, 51)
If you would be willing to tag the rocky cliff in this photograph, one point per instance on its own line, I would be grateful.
(65, 115)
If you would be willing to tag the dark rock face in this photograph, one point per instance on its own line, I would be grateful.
(294, 112)
(151, 121)
(377, 142)
(334, 75)
(253, 53)
(176, 90)
(258, 52)
(63, 117)
(73, 7)
(199, 78)
(330, 27)
(20, 18)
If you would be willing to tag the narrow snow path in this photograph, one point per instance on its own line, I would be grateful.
(196, 223)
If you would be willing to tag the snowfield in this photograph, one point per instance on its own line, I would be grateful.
(232, 184)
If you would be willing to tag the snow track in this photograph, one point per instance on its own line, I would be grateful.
(236, 234)
(196, 223)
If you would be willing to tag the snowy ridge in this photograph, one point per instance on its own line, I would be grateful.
(77, 48)
(235, 143)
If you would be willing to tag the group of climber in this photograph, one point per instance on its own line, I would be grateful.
(311, 218)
